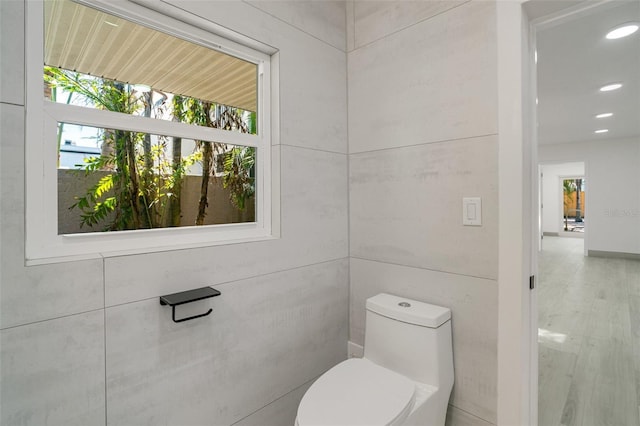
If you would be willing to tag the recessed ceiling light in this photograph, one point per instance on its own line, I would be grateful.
(622, 31)
(604, 115)
(610, 87)
(601, 131)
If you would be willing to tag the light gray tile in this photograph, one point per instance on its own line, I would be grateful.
(282, 411)
(313, 98)
(377, 19)
(34, 293)
(406, 206)
(315, 197)
(434, 81)
(265, 337)
(37, 293)
(322, 19)
(314, 229)
(12, 51)
(53, 372)
(473, 303)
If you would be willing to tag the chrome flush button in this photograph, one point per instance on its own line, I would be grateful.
(404, 304)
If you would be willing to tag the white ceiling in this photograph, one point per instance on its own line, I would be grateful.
(574, 61)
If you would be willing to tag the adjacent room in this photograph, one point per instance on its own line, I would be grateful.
(589, 265)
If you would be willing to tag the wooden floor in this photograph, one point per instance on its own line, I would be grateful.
(589, 337)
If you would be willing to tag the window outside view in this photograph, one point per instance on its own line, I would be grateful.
(113, 178)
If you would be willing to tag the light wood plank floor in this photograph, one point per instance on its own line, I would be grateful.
(589, 337)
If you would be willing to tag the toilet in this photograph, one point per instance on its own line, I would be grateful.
(405, 377)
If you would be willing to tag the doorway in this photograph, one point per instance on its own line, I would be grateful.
(518, 25)
(573, 203)
(587, 305)
(563, 199)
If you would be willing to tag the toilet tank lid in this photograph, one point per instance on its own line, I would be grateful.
(409, 311)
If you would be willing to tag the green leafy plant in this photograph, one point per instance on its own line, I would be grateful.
(238, 166)
(142, 181)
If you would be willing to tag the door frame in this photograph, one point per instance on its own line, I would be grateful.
(517, 23)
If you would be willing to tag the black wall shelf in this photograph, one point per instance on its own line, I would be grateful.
(188, 296)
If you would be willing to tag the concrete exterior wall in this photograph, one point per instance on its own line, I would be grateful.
(220, 209)
(422, 86)
(87, 342)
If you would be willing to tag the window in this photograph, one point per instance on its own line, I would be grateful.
(145, 133)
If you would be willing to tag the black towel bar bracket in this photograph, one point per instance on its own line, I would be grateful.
(189, 296)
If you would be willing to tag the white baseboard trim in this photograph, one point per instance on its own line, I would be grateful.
(614, 254)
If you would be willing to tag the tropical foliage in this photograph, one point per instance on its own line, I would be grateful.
(144, 174)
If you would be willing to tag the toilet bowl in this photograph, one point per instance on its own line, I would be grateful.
(405, 377)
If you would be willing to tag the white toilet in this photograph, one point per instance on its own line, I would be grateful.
(405, 377)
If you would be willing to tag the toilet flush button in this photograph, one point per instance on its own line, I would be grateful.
(404, 304)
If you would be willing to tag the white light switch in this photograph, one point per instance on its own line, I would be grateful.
(472, 211)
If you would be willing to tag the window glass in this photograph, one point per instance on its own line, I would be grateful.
(115, 178)
(98, 192)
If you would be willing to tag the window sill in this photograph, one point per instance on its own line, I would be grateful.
(138, 251)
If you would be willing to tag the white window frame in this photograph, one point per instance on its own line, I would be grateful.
(43, 244)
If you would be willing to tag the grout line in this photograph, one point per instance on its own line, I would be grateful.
(279, 271)
(298, 28)
(356, 47)
(156, 296)
(346, 25)
(284, 270)
(12, 104)
(313, 149)
(346, 86)
(425, 269)
(471, 414)
(424, 143)
(278, 398)
(353, 28)
(52, 318)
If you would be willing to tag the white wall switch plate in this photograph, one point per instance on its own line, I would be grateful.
(472, 211)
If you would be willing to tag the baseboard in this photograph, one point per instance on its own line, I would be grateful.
(354, 350)
(614, 254)
(458, 417)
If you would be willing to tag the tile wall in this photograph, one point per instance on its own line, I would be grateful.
(422, 84)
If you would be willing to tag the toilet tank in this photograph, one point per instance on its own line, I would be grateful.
(410, 337)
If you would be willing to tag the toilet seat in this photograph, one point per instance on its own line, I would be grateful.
(357, 392)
